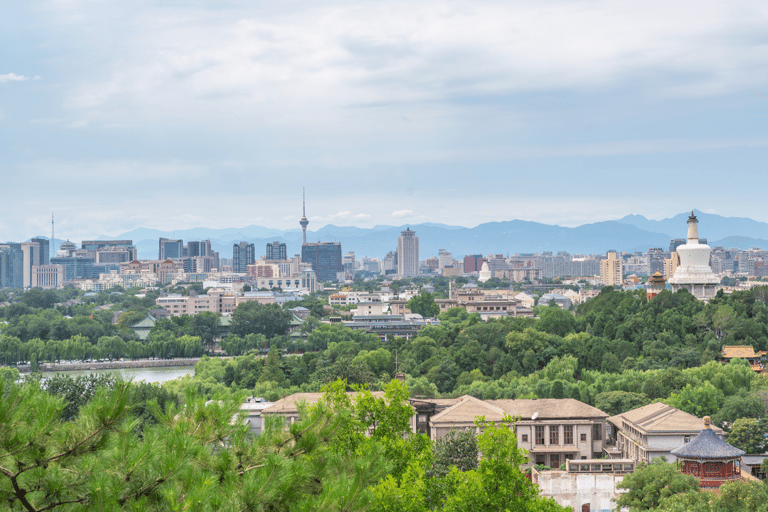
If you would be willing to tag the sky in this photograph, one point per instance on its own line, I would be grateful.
(173, 114)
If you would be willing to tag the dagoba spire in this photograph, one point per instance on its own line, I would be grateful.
(693, 230)
(303, 222)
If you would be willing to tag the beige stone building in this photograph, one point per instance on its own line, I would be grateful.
(551, 430)
(652, 431)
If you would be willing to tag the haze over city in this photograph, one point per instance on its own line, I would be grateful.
(176, 115)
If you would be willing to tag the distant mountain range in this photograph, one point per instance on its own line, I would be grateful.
(631, 233)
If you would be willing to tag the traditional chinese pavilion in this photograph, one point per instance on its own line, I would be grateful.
(709, 458)
(656, 285)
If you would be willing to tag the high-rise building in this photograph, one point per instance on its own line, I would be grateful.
(243, 254)
(32, 257)
(277, 251)
(170, 249)
(325, 259)
(303, 222)
(656, 258)
(408, 253)
(45, 250)
(611, 270)
(199, 248)
(444, 259)
(473, 263)
(11, 265)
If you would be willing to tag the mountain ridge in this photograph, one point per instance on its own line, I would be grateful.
(630, 233)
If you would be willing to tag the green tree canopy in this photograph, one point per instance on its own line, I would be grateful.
(424, 305)
(254, 318)
(747, 435)
(651, 483)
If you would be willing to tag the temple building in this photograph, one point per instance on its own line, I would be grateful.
(655, 285)
(709, 458)
(694, 273)
(485, 273)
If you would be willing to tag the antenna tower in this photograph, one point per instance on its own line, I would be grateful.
(50, 250)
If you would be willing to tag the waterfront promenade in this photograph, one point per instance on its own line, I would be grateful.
(111, 365)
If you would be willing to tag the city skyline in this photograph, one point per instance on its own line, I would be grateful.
(180, 115)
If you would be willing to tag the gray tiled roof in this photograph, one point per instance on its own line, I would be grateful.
(707, 445)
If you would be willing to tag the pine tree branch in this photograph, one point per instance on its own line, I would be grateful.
(58, 504)
(21, 495)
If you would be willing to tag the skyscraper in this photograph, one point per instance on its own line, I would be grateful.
(11, 265)
(170, 249)
(408, 253)
(325, 259)
(303, 222)
(34, 255)
(277, 251)
(45, 250)
(243, 254)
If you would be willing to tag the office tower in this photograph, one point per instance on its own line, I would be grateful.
(473, 263)
(202, 248)
(45, 250)
(170, 249)
(325, 259)
(408, 253)
(303, 222)
(243, 254)
(32, 257)
(11, 265)
(612, 270)
(277, 251)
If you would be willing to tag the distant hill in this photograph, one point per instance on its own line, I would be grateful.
(631, 233)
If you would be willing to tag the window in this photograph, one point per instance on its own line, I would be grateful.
(541, 459)
(567, 434)
(554, 460)
(583, 438)
(597, 432)
(554, 434)
(539, 434)
(686, 439)
(525, 438)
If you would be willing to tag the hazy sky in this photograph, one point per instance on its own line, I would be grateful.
(173, 114)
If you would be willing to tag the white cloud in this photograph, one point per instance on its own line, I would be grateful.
(12, 77)
(245, 64)
(362, 216)
(340, 215)
(402, 213)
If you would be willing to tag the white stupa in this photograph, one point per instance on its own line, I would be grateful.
(694, 273)
(485, 273)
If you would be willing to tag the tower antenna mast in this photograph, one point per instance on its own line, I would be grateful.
(50, 250)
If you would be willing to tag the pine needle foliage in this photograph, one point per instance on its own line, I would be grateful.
(200, 456)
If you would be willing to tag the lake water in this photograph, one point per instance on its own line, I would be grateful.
(160, 374)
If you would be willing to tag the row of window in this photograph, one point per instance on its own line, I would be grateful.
(554, 434)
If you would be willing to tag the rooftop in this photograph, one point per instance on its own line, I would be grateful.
(707, 445)
(659, 418)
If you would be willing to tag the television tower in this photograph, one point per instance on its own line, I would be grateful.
(303, 222)
(52, 244)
